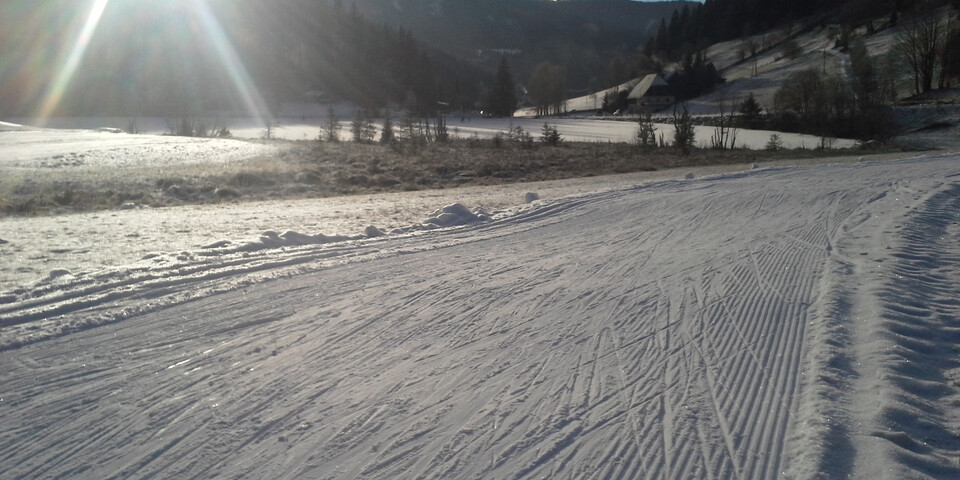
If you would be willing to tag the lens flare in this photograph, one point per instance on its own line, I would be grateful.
(230, 61)
(55, 92)
(207, 29)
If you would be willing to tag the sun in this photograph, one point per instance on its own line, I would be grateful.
(188, 21)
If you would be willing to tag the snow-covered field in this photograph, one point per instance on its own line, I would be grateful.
(89, 149)
(795, 321)
(571, 129)
(38, 248)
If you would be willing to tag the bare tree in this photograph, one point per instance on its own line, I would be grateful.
(725, 131)
(950, 58)
(918, 44)
(646, 135)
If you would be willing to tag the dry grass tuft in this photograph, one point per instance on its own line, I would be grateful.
(311, 169)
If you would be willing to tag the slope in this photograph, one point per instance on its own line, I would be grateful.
(683, 329)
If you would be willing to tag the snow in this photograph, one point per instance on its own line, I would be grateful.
(752, 321)
(574, 129)
(51, 148)
(796, 321)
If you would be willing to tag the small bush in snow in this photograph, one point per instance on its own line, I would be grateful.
(386, 135)
(362, 128)
(516, 135)
(330, 132)
(775, 143)
(646, 136)
(267, 132)
(550, 136)
(684, 135)
(440, 133)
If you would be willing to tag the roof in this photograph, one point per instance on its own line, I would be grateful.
(652, 84)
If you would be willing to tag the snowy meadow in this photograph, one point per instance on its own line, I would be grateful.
(796, 321)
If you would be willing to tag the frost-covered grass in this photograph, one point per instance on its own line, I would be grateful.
(790, 321)
(76, 174)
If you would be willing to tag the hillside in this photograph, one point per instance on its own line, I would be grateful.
(927, 121)
(465, 26)
(582, 35)
(183, 58)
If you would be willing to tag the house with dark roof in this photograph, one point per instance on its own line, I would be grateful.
(652, 94)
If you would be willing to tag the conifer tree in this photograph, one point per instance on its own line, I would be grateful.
(503, 100)
(683, 131)
(751, 113)
(387, 135)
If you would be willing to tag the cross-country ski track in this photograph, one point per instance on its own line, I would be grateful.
(786, 322)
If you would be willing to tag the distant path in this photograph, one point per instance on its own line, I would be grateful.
(685, 329)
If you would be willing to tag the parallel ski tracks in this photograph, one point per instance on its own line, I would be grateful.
(657, 332)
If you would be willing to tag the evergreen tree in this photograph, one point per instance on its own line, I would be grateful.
(751, 113)
(386, 135)
(330, 132)
(503, 99)
(683, 131)
(362, 127)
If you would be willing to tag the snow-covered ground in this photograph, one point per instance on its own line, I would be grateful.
(34, 248)
(104, 151)
(796, 321)
(571, 129)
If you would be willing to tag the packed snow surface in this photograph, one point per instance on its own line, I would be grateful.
(49, 148)
(799, 322)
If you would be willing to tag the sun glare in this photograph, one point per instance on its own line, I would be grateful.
(231, 63)
(194, 12)
(55, 92)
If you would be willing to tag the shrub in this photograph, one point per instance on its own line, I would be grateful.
(775, 143)
(646, 136)
(440, 133)
(330, 132)
(684, 134)
(550, 136)
(362, 128)
(517, 135)
(386, 135)
(751, 113)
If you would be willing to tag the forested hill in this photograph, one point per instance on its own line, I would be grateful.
(694, 26)
(463, 26)
(580, 36)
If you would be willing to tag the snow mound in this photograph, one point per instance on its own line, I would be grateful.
(6, 126)
(373, 232)
(456, 215)
(272, 240)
